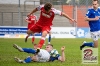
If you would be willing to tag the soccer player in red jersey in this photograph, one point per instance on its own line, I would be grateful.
(31, 20)
(47, 14)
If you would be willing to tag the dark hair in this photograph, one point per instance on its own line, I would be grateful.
(96, 0)
(49, 45)
(34, 44)
(47, 6)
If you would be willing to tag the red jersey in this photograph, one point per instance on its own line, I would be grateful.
(47, 18)
(32, 19)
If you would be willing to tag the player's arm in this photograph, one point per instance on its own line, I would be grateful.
(91, 19)
(33, 11)
(26, 20)
(62, 57)
(65, 15)
(58, 12)
(88, 14)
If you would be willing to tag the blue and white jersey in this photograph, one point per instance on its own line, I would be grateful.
(94, 25)
(54, 58)
(54, 55)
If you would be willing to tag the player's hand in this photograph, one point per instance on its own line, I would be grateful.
(62, 48)
(96, 18)
(73, 20)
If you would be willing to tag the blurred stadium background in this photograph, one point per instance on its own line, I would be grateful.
(13, 12)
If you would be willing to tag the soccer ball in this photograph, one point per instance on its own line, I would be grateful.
(54, 53)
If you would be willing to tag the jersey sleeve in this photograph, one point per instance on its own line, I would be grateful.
(39, 7)
(57, 12)
(88, 13)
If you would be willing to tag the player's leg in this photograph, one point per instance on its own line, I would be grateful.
(33, 38)
(27, 50)
(45, 31)
(42, 40)
(49, 39)
(27, 37)
(94, 44)
(29, 32)
(89, 44)
(19, 60)
(34, 29)
(27, 60)
(18, 47)
(95, 36)
(42, 56)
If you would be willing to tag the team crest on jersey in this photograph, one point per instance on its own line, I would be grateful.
(46, 15)
(33, 19)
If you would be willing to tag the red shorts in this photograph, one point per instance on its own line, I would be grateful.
(29, 26)
(37, 28)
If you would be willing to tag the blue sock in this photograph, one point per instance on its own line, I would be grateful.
(29, 50)
(28, 60)
(49, 39)
(90, 44)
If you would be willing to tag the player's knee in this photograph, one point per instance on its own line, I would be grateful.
(29, 32)
(44, 33)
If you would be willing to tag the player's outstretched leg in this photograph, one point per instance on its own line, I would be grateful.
(29, 32)
(27, 50)
(39, 46)
(18, 47)
(26, 38)
(82, 46)
(89, 44)
(19, 60)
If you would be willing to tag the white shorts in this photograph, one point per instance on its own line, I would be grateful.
(95, 35)
(43, 56)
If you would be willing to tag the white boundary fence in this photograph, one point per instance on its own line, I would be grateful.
(57, 32)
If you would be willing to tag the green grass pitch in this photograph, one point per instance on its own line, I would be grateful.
(72, 52)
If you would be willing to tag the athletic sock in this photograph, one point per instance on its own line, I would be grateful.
(28, 60)
(33, 38)
(28, 50)
(89, 44)
(49, 39)
(42, 40)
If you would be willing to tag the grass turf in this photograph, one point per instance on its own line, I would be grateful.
(72, 52)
